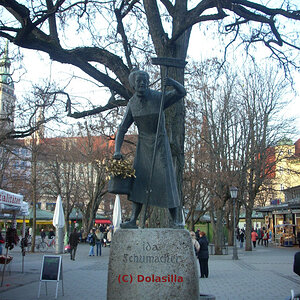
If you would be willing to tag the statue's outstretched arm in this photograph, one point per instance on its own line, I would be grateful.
(174, 95)
(125, 124)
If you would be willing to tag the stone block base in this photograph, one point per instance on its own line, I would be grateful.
(152, 264)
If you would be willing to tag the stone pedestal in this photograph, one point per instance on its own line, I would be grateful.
(152, 264)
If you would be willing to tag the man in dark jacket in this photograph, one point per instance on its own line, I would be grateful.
(73, 240)
(203, 255)
(298, 237)
(296, 266)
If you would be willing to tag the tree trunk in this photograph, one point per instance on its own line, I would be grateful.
(191, 224)
(159, 218)
(248, 229)
(230, 235)
(218, 230)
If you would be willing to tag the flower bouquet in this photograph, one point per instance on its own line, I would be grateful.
(120, 175)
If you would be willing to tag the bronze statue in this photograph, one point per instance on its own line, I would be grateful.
(143, 109)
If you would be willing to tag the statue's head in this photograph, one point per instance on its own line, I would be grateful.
(139, 81)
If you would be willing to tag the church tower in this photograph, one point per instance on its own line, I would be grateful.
(7, 93)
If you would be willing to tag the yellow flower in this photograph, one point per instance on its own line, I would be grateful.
(115, 167)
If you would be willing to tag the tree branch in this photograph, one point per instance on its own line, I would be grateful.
(169, 6)
(121, 31)
(269, 11)
(112, 103)
(157, 32)
(52, 21)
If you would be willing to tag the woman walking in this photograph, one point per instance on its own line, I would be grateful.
(254, 236)
(203, 255)
(73, 241)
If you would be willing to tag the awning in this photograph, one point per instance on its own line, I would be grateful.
(102, 221)
(8, 198)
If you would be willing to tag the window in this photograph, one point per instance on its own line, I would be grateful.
(50, 206)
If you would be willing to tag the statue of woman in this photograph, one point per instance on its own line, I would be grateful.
(143, 109)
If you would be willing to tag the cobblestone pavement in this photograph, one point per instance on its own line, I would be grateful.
(264, 273)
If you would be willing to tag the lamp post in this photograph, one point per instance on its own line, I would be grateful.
(233, 194)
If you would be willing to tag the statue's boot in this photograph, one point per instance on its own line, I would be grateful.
(136, 209)
(174, 214)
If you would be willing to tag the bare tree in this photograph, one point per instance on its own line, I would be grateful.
(196, 196)
(261, 99)
(59, 160)
(41, 105)
(44, 27)
(241, 115)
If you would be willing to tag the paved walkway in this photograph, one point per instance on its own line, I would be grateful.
(264, 273)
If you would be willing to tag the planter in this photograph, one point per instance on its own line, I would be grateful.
(120, 185)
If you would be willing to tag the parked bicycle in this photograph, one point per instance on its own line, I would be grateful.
(45, 245)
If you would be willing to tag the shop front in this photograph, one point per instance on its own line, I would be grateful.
(286, 236)
(285, 218)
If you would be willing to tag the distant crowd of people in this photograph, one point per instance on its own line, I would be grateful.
(262, 236)
(99, 237)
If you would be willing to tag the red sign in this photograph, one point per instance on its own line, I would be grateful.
(101, 221)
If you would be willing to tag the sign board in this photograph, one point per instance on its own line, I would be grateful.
(51, 271)
(10, 198)
(51, 268)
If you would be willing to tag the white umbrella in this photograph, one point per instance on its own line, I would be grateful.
(58, 217)
(59, 223)
(117, 218)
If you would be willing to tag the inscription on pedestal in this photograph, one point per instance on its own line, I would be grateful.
(152, 264)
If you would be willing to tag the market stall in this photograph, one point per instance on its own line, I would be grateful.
(12, 205)
(285, 235)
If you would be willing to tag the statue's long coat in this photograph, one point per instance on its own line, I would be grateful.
(144, 113)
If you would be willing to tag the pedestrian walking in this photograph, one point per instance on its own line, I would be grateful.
(73, 241)
(2, 241)
(270, 236)
(242, 237)
(203, 255)
(254, 236)
(266, 238)
(43, 234)
(99, 237)
(51, 234)
(238, 233)
(259, 236)
(92, 241)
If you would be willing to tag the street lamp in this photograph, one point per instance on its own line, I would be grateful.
(233, 194)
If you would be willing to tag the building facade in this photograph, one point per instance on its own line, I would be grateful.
(282, 194)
